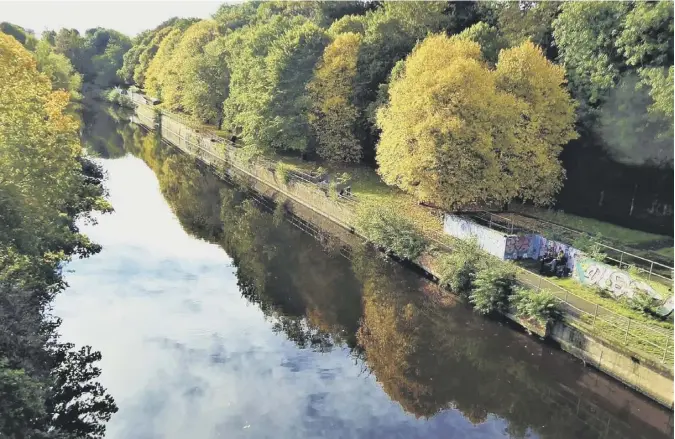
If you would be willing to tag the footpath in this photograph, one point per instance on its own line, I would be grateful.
(636, 353)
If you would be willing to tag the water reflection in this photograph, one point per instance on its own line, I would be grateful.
(216, 318)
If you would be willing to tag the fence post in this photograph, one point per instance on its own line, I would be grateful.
(625, 340)
(595, 314)
(621, 261)
(539, 286)
(650, 270)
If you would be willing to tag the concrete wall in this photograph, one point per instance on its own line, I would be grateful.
(611, 361)
(489, 240)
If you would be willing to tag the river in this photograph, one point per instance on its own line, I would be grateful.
(217, 318)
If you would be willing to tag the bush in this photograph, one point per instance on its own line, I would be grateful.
(590, 245)
(642, 302)
(541, 306)
(457, 269)
(283, 172)
(115, 96)
(492, 286)
(389, 230)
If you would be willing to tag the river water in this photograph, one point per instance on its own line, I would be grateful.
(217, 318)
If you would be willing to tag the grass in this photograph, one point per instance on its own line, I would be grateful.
(612, 232)
(667, 252)
(593, 296)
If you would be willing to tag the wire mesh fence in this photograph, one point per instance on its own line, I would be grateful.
(647, 340)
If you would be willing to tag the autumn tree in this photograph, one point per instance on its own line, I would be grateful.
(155, 76)
(334, 116)
(456, 132)
(182, 67)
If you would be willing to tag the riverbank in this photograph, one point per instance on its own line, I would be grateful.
(340, 209)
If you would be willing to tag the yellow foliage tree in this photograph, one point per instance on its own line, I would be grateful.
(180, 68)
(39, 146)
(156, 75)
(456, 132)
(546, 123)
(334, 115)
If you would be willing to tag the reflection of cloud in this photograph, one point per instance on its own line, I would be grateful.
(186, 356)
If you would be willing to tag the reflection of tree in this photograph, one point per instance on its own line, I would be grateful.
(103, 134)
(430, 354)
(310, 295)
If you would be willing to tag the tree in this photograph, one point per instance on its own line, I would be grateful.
(207, 83)
(154, 76)
(107, 49)
(519, 21)
(488, 38)
(45, 185)
(271, 65)
(146, 54)
(546, 124)
(59, 69)
(334, 116)
(455, 132)
(181, 68)
(585, 33)
(646, 37)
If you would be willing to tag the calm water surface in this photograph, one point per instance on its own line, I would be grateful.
(216, 318)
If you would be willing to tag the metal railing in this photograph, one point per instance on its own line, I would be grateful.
(614, 256)
(644, 339)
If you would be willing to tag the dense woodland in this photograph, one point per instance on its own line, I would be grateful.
(336, 81)
(453, 102)
(48, 387)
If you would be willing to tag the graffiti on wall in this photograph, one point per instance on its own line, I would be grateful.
(522, 247)
(617, 282)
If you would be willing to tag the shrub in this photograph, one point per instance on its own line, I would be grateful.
(642, 302)
(115, 96)
(456, 270)
(389, 230)
(492, 286)
(541, 306)
(283, 172)
(591, 246)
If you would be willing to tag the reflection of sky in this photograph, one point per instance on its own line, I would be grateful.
(185, 356)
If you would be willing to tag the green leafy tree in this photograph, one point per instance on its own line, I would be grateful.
(271, 66)
(646, 37)
(520, 21)
(488, 38)
(183, 66)
(586, 34)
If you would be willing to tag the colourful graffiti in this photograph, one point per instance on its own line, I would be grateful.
(521, 247)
